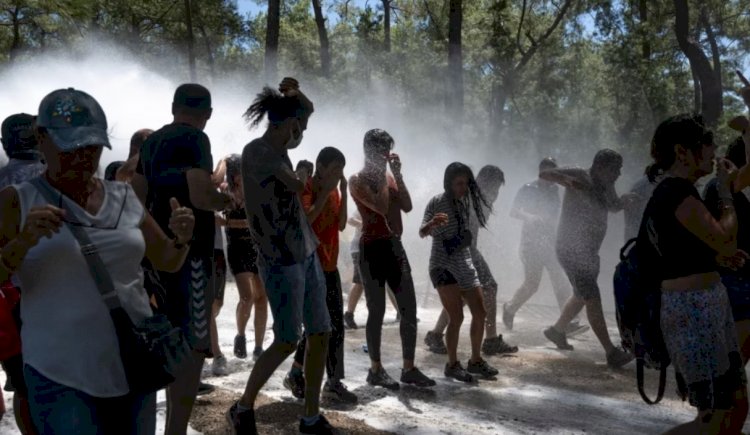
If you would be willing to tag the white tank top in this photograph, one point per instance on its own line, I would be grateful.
(67, 333)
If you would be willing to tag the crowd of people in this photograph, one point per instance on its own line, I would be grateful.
(158, 222)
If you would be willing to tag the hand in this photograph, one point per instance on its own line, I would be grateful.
(439, 220)
(395, 163)
(41, 222)
(303, 175)
(733, 262)
(329, 183)
(289, 87)
(726, 172)
(343, 185)
(182, 221)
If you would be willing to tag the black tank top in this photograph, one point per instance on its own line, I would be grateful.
(681, 252)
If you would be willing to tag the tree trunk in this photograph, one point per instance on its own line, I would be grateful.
(15, 45)
(190, 40)
(712, 104)
(455, 60)
(272, 40)
(645, 42)
(387, 25)
(325, 49)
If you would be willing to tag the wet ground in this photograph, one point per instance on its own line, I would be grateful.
(540, 390)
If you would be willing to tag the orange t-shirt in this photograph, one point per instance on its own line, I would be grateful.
(326, 226)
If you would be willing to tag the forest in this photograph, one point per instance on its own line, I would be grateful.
(541, 74)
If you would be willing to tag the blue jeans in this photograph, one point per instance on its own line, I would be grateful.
(60, 410)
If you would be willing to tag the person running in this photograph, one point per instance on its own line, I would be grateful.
(127, 170)
(176, 161)
(452, 271)
(288, 260)
(589, 196)
(243, 263)
(380, 198)
(685, 239)
(537, 205)
(325, 203)
(355, 293)
(79, 386)
(489, 179)
(24, 163)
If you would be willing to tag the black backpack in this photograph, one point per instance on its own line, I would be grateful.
(638, 304)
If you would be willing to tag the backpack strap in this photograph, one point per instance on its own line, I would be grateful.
(624, 249)
(662, 383)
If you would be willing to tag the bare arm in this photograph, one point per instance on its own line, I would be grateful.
(140, 187)
(404, 198)
(203, 194)
(161, 250)
(720, 235)
(575, 178)
(220, 173)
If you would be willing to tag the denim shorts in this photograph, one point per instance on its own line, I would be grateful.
(57, 409)
(297, 296)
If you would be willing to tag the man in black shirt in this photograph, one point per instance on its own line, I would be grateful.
(176, 161)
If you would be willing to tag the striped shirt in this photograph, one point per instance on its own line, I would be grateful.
(459, 263)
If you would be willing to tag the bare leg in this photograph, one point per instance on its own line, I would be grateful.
(260, 302)
(442, 323)
(489, 297)
(181, 395)
(355, 294)
(315, 363)
(263, 369)
(450, 296)
(598, 324)
(213, 330)
(476, 305)
(245, 304)
(569, 312)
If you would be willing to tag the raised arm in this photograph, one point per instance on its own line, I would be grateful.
(404, 198)
(575, 178)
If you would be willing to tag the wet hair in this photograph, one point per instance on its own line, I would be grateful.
(234, 168)
(378, 141)
(490, 175)
(110, 172)
(278, 108)
(607, 158)
(328, 155)
(305, 164)
(457, 169)
(685, 129)
(547, 163)
(736, 152)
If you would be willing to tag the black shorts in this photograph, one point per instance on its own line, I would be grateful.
(442, 277)
(219, 278)
(242, 256)
(583, 273)
(356, 272)
(13, 368)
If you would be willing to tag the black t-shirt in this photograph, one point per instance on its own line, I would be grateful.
(165, 158)
(741, 207)
(681, 252)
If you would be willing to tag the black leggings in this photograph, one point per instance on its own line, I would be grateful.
(381, 262)
(335, 303)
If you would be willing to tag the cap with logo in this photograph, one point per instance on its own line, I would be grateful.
(73, 119)
(18, 137)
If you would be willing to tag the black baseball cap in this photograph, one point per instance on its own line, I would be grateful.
(73, 119)
(18, 136)
(192, 96)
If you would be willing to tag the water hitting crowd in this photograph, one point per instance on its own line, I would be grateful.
(156, 223)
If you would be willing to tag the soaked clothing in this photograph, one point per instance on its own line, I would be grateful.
(634, 213)
(737, 282)
(241, 249)
(451, 259)
(542, 200)
(55, 275)
(377, 227)
(699, 332)
(326, 225)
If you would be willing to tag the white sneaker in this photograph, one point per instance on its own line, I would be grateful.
(219, 366)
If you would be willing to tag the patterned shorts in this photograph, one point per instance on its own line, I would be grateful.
(698, 330)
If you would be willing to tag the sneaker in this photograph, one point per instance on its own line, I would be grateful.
(205, 389)
(295, 382)
(558, 338)
(257, 353)
(575, 328)
(482, 369)
(219, 366)
(240, 347)
(508, 318)
(617, 358)
(365, 349)
(242, 423)
(457, 372)
(381, 379)
(416, 378)
(435, 343)
(336, 390)
(321, 427)
(497, 346)
(349, 322)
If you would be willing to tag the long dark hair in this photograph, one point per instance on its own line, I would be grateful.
(686, 129)
(278, 107)
(478, 202)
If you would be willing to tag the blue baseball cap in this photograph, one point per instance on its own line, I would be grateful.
(73, 120)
